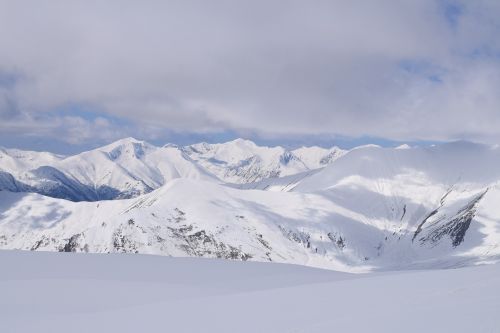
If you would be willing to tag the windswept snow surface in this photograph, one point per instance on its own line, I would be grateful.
(61, 292)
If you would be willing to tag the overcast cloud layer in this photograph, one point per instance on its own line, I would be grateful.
(401, 70)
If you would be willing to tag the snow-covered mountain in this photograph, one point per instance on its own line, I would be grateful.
(124, 169)
(15, 160)
(242, 161)
(128, 168)
(370, 209)
(317, 157)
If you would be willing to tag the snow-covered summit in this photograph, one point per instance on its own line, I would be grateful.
(127, 147)
(124, 142)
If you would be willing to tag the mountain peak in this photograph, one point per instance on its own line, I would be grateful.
(126, 147)
(128, 140)
(125, 142)
(242, 142)
(171, 145)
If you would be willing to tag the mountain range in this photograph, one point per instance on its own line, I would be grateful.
(369, 208)
(128, 168)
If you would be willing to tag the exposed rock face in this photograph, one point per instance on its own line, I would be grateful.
(454, 227)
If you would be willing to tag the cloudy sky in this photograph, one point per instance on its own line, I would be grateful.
(82, 73)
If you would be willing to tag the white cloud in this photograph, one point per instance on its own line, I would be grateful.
(394, 69)
(71, 129)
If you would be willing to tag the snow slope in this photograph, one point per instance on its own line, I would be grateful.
(447, 164)
(283, 184)
(328, 230)
(49, 292)
(183, 218)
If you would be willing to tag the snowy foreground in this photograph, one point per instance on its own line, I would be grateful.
(68, 292)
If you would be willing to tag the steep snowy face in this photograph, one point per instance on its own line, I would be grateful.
(242, 161)
(124, 169)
